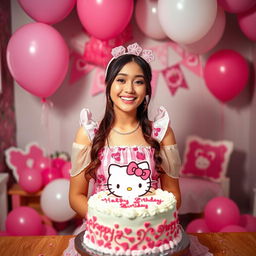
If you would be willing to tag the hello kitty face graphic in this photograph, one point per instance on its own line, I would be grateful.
(203, 159)
(132, 180)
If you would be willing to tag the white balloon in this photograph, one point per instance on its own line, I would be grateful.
(187, 21)
(146, 15)
(211, 38)
(55, 201)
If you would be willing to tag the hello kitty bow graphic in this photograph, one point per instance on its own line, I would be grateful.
(132, 180)
(133, 169)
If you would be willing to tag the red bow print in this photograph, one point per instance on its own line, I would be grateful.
(133, 168)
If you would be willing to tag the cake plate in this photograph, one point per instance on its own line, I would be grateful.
(182, 249)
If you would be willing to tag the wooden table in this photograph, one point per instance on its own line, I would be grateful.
(219, 244)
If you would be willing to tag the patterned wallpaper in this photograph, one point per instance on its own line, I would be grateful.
(7, 112)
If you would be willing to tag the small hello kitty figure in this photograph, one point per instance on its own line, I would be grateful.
(132, 180)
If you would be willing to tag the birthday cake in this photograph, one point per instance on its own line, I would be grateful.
(132, 226)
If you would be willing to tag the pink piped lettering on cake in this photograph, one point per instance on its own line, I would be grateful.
(148, 238)
(147, 224)
(92, 239)
(125, 246)
(134, 247)
(131, 239)
(151, 244)
(144, 247)
(166, 241)
(100, 242)
(127, 231)
(159, 243)
(108, 245)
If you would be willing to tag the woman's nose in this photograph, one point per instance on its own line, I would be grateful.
(129, 87)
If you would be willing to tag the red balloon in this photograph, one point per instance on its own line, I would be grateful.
(105, 19)
(221, 212)
(226, 74)
(24, 221)
(197, 226)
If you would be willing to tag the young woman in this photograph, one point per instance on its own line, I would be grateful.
(125, 133)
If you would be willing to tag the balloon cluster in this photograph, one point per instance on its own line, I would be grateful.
(221, 214)
(54, 202)
(43, 171)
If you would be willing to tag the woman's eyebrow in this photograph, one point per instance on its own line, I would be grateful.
(124, 74)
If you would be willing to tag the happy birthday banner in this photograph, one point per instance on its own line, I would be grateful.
(97, 54)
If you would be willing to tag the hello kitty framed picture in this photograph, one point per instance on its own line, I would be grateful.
(206, 158)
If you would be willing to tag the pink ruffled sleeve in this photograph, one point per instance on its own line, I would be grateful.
(86, 121)
(160, 124)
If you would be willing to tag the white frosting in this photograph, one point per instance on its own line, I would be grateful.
(155, 209)
(163, 201)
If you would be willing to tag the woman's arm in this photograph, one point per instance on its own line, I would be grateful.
(168, 183)
(79, 184)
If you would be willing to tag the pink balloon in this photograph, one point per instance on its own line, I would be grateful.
(211, 39)
(65, 170)
(147, 20)
(105, 19)
(24, 221)
(49, 231)
(236, 6)
(197, 226)
(221, 212)
(43, 163)
(247, 21)
(248, 222)
(38, 58)
(47, 11)
(233, 228)
(31, 180)
(226, 74)
(58, 163)
(50, 174)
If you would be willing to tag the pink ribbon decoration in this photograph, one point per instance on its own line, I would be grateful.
(133, 169)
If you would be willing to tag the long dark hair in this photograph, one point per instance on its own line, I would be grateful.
(105, 126)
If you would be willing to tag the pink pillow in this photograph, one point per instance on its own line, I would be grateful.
(206, 158)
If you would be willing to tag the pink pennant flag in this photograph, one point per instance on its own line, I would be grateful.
(155, 75)
(174, 78)
(161, 52)
(79, 68)
(98, 85)
(193, 62)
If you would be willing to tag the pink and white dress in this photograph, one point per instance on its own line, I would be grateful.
(125, 157)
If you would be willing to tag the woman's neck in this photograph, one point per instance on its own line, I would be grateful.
(125, 120)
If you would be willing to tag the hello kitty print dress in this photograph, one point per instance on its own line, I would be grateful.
(132, 165)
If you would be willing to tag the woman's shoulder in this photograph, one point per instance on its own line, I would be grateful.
(160, 124)
(87, 124)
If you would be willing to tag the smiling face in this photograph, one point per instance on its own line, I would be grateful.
(128, 89)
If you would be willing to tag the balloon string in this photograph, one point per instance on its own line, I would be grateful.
(222, 120)
(47, 105)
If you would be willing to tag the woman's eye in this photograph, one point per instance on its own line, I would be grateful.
(117, 186)
(139, 82)
(120, 80)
